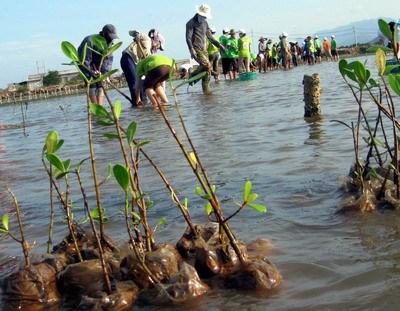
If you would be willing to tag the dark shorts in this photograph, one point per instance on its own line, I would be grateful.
(333, 52)
(225, 65)
(156, 76)
(233, 64)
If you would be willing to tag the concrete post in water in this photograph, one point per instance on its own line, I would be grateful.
(312, 92)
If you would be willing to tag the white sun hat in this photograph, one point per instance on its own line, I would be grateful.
(204, 10)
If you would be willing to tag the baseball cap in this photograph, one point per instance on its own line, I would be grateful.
(111, 31)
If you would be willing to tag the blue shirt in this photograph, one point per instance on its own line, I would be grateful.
(93, 59)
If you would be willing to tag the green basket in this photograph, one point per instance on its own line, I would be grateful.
(247, 76)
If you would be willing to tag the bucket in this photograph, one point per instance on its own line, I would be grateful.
(247, 76)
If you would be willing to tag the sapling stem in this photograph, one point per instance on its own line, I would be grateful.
(93, 164)
(205, 185)
(93, 225)
(22, 241)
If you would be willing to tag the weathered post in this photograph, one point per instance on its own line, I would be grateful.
(312, 92)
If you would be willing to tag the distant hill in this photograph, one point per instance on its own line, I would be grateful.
(358, 32)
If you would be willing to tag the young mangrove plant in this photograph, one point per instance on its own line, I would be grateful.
(379, 170)
(5, 229)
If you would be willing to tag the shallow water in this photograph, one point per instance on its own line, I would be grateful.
(250, 130)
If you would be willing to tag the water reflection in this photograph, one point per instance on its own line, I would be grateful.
(315, 132)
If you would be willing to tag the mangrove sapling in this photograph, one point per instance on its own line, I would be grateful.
(63, 171)
(71, 52)
(5, 229)
(123, 178)
(94, 230)
(381, 150)
(51, 145)
(198, 169)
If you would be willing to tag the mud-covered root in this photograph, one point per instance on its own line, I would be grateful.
(259, 274)
(82, 278)
(162, 263)
(368, 195)
(182, 287)
(122, 299)
(32, 288)
(85, 241)
(187, 243)
(213, 260)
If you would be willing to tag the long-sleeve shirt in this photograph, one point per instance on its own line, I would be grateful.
(93, 59)
(196, 34)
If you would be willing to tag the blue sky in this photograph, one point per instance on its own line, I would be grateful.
(32, 31)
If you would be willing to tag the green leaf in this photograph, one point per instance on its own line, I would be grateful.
(5, 221)
(142, 143)
(70, 51)
(247, 188)
(100, 42)
(380, 60)
(122, 176)
(373, 49)
(3, 230)
(56, 161)
(361, 73)
(105, 123)
(59, 144)
(113, 48)
(67, 164)
(252, 197)
(394, 82)
(373, 83)
(193, 158)
(100, 111)
(78, 167)
(162, 221)
(374, 174)
(136, 216)
(51, 141)
(213, 188)
(385, 29)
(117, 109)
(105, 76)
(207, 196)
(208, 208)
(131, 132)
(390, 68)
(61, 175)
(259, 208)
(198, 191)
(342, 66)
(111, 135)
(378, 142)
(185, 204)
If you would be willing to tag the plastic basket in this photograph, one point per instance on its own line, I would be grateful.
(247, 76)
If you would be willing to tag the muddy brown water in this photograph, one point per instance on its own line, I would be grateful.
(250, 130)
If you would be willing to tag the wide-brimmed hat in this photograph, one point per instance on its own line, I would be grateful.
(204, 10)
(262, 38)
(232, 32)
(242, 31)
(225, 30)
(333, 36)
(110, 30)
(213, 30)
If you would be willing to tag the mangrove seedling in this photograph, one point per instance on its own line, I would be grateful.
(5, 229)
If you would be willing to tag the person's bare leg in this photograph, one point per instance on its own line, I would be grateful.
(161, 93)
